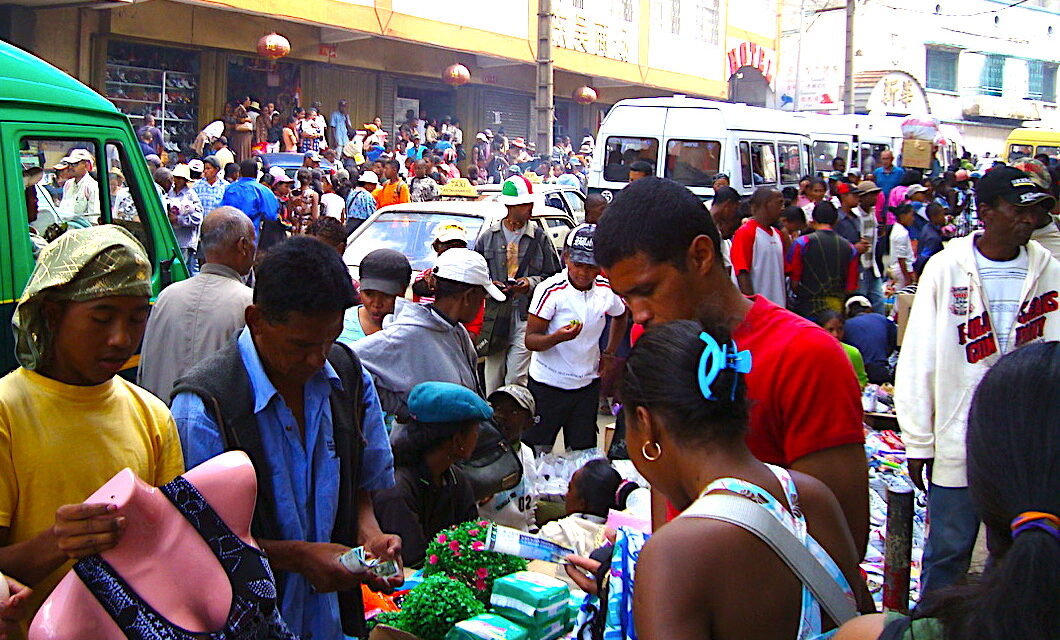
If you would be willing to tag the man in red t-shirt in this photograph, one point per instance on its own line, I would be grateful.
(661, 252)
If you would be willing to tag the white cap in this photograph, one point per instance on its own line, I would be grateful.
(857, 300)
(369, 177)
(182, 171)
(279, 175)
(196, 165)
(449, 232)
(469, 267)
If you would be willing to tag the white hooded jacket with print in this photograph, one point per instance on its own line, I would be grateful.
(949, 344)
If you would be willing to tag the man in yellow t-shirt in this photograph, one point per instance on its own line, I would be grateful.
(394, 190)
(68, 423)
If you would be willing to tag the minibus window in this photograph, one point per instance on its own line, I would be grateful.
(693, 163)
(1020, 151)
(1052, 152)
(68, 192)
(763, 163)
(830, 156)
(124, 194)
(791, 168)
(619, 153)
(745, 164)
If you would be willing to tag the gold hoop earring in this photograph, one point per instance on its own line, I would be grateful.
(644, 451)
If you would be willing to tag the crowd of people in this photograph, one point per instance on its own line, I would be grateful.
(736, 339)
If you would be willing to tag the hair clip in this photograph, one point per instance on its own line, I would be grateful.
(727, 357)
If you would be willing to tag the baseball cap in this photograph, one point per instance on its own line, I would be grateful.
(1036, 171)
(854, 171)
(867, 186)
(519, 393)
(312, 155)
(182, 171)
(62, 164)
(517, 190)
(450, 232)
(368, 177)
(279, 175)
(469, 267)
(580, 244)
(915, 189)
(962, 175)
(843, 188)
(81, 155)
(196, 166)
(838, 176)
(861, 301)
(386, 270)
(1013, 186)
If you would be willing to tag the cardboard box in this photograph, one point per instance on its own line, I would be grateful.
(905, 303)
(917, 153)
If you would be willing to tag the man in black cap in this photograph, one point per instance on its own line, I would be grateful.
(567, 317)
(385, 274)
(979, 298)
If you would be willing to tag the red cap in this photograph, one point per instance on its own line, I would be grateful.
(844, 188)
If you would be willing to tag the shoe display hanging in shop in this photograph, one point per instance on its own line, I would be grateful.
(160, 81)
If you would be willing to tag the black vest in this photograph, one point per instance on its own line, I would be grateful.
(221, 381)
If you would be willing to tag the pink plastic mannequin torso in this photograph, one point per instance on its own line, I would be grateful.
(160, 556)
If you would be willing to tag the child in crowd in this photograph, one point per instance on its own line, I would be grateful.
(513, 412)
(594, 490)
(902, 255)
(833, 322)
(793, 220)
(930, 241)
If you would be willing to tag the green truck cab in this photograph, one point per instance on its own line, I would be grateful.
(45, 116)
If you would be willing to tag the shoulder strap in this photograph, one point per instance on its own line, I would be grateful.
(347, 417)
(752, 517)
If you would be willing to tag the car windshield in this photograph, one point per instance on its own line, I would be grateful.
(411, 233)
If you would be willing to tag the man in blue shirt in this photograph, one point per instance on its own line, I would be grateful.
(297, 412)
(250, 196)
(340, 125)
(887, 176)
(874, 336)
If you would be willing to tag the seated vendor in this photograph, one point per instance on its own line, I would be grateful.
(431, 494)
(594, 490)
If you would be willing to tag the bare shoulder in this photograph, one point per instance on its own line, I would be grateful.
(707, 545)
(814, 495)
(862, 628)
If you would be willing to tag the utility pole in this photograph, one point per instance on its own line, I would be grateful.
(848, 82)
(545, 108)
(798, 55)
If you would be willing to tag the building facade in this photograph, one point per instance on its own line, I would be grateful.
(984, 66)
(184, 60)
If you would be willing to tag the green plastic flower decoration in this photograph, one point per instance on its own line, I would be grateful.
(431, 609)
(459, 552)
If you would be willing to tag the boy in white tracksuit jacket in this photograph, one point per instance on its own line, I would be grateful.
(949, 345)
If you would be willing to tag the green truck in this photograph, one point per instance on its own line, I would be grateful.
(46, 118)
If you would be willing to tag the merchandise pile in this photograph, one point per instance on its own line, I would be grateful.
(887, 468)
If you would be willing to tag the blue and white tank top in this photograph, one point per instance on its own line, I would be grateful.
(793, 520)
(253, 614)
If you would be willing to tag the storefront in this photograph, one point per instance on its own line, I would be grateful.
(143, 79)
(264, 81)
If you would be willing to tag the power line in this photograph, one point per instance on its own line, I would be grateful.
(956, 15)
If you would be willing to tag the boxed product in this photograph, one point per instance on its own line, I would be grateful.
(487, 626)
(574, 605)
(533, 600)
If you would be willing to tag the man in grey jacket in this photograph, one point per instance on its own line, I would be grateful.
(422, 343)
(520, 255)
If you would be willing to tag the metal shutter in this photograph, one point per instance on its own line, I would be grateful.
(506, 110)
(387, 95)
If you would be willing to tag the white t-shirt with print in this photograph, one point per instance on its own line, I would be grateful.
(572, 364)
(1003, 285)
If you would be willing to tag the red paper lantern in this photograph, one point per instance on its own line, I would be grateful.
(584, 95)
(456, 75)
(273, 46)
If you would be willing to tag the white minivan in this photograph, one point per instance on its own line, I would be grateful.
(691, 140)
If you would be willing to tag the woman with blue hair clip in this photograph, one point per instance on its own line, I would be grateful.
(700, 576)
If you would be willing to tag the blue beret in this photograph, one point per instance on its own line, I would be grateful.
(447, 402)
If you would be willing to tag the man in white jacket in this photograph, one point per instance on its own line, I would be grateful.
(981, 297)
